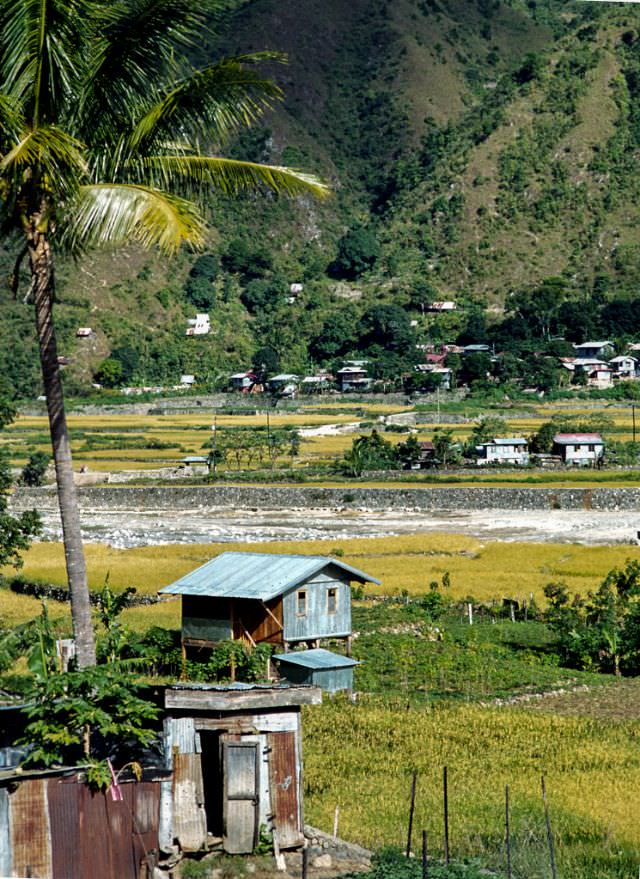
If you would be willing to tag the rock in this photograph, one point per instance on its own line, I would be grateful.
(323, 862)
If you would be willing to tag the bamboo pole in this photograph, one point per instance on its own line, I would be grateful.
(411, 810)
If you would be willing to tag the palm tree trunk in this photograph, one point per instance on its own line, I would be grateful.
(42, 285)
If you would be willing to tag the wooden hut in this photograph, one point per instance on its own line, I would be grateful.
(321, 668)
(236, 757)
(264, 597)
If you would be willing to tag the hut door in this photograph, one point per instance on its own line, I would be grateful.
(241, 787)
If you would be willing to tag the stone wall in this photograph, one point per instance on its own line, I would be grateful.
(276, 497)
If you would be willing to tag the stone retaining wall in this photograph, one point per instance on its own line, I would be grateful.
(277, 497)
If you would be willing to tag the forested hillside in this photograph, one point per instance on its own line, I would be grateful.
(476, 149)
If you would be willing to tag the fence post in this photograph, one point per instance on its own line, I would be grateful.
(552, 855)
(445, 793)
(425, 863)
(507, 829)
(411, 810)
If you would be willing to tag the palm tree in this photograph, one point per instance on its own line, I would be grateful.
(105, 134)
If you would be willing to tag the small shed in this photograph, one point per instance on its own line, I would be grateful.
(235, 752)
(267, 597)
(321, 668)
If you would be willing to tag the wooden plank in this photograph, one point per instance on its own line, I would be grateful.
(189, 816)
(241, 796)
(285, 794)
(30, 832)
(277, 721)
(240, 700)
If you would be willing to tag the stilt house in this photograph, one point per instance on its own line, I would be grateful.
(286, 600)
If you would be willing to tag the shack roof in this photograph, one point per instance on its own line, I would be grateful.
(237, 697)
(316, 659)
(256, 575)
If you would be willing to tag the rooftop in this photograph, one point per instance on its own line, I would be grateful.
(316, 659)
(572, 438)
(256, 575)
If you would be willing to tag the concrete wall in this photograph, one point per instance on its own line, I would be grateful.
(275, 497)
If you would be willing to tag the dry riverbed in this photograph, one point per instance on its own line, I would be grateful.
(127, 528)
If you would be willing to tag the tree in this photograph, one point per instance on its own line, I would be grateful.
(101, 114)
(109, 373)
(358, 252)
(35, 470)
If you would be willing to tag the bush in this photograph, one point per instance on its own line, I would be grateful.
(34, 471)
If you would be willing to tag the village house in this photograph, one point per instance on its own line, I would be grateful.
(245, 382)
(624, 366)
(198, 326)
(353, 378)
(594, 350)
(581, 449)
(84, 332)
(503, 450)
(285, 384)
(447, 305)
(285, 600)
(316, 384)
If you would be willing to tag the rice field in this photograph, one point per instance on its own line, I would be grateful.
(487, 571)
(360, 757)
(184, 434)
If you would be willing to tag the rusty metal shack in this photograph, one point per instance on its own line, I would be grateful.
(232, 764)
(267, 597)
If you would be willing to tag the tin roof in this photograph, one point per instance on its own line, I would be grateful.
(255, 575)
(509, 441)
(317, 659)
(563, 439)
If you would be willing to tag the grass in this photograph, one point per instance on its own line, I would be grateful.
(361, 757)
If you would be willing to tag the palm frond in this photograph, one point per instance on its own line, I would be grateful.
(135, 51)
(40, 51)
(210, 103)
(58, 157)
(232, 176)
(11, 121)
(110, 213)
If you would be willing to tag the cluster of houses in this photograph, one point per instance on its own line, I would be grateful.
(229, 761)
(352, 377)
(601, 368)
(571, 449)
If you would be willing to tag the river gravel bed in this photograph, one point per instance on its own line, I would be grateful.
(129, 528)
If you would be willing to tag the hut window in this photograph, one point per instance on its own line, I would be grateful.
(332, 600)
(301, 605)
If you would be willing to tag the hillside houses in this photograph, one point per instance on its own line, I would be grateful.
(512, 451)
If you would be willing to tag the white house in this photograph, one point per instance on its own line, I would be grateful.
(624, 366)
(447, 305)
(84, 332)
(199, 326)
(353, 378)
(503, 450)
(600, 377)
(285, 384)
(583, 449)
(242, 381)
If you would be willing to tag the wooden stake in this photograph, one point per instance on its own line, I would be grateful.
(425, 863)
(411, 810)
(336, 818)
(305, 862)
(507, 835)
(445, 793)
(552, 856)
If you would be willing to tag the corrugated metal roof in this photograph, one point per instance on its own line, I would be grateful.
(563, 439)
(508, 441)
(255, 575)
(317, 658)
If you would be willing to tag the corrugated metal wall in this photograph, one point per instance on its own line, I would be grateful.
(59, 829)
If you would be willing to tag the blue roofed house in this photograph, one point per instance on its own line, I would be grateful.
(320, 668)
(285, 600)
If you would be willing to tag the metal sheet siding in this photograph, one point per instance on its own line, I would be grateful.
(205, 618)
(317, 622)
(30, 834)
(333, 679)
(5, 833)
(255, 575)
(64, 814)
(285, 794)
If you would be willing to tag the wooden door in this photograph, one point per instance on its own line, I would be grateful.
(284, 784)
(241, 786)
